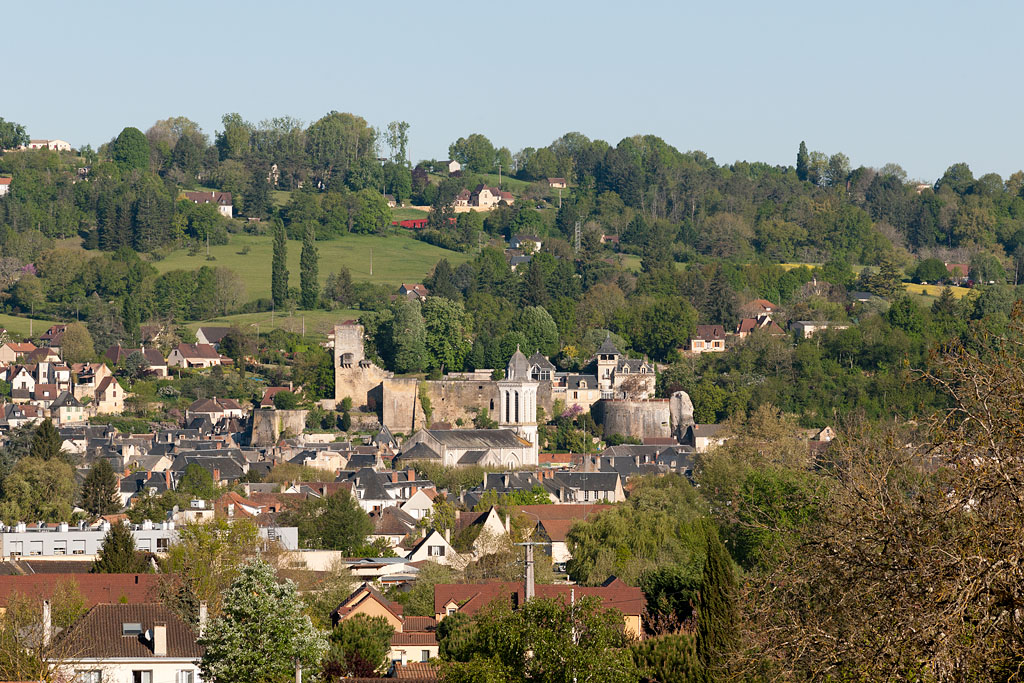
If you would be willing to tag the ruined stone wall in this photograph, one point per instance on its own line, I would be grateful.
(641, 419)
(269, 424)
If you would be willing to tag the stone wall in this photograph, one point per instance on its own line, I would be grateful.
(268, 425)
(640, 419)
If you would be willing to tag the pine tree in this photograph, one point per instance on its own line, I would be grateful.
(279, 267)
(803, 160)
(716, 617)
(309, 272)
(46, 442)
(118, 554)
(99, 490)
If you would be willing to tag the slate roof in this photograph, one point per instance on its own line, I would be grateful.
(518, 367)
(540, 360)
(472, 457)
(393, 521)
(65, 400)
(608, 348)
(584, 481)
(98, 634)
(710, 332)
(214, 334)
(420, 451)
(476, 438)
(197, 351)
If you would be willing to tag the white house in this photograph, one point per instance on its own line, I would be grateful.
(54, 145)
(130, 643)
(5, 186)
(436, 548)
(221, 199)
(193, 356)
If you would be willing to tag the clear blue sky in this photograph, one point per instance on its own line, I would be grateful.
(921, 84)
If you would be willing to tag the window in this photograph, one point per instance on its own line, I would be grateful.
(35, 547)
(144, 544)
(162, 545)
(142, 677)
(78, 547)
(186, 676)
(451, 611)
(93, 676)
(435, 550)
(16, 548)
(60, 547)
(424, 655)
(131, 629)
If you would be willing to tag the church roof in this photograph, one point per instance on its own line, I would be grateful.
(608, 347)
(518, 367)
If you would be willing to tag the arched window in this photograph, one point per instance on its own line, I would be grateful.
(517, 407)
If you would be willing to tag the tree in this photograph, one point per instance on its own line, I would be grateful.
(669, 658)
(475, 153)
(334, 522)
(130, 150)
(76, 345)
(541, 641)
(986, 269)
(309, 276)
(136, 365)
(446, 327)
(398, 140)
(197, 483)
(12, 135)
(118, 554)
(359, 647)
(717, 617)
(286, 400)
(46, 443)
(802, 161)
(338, 288)
(24, 654)
(99, 494)
(208, 555)
(38, 489)
(261, 633)
(930, 270)
(279, 266)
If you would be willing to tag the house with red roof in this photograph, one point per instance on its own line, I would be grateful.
(414, 639)
(194, 356)
(5, 186)
(761, 322)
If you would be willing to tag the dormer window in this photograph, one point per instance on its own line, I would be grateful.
(583, 385)
(131, 629)
(625, 370)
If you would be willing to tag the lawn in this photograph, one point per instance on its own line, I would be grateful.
(317, 323)
(406, 214)
(934, 290)
(280, 197)
(394, 259)
(23, 327)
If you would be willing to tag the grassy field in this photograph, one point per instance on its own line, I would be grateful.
(395, 258)
(405, 214)
(280, 197)
(23, 327)
(934, 290)
(317, 323)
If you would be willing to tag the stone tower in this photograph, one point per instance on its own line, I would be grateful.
(517, 404)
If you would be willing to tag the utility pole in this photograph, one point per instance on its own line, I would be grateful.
(499, 175)
(371, 261)
(577, 237)
(529, 582)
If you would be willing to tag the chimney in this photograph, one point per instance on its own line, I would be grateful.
(414, 490)
(508, 524)
(216, 474)
(448, 535)
(411, 473)
(394, 477)
(203, 615)
(167, 479)
(160, 639)
(47, 623)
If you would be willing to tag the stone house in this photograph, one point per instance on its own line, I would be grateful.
(708, 338)
(222, 200)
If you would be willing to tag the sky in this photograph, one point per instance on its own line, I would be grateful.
(921, 84)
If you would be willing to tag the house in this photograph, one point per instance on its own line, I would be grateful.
(420, 503)
(23, 384)
(66, 409)
(470, 598)
(490, 533)
(553, 523)
(704, 437)
(761, 322)
(13, 416)
(622, 377)
(958, 273)
(117, 355)
(94, 588)
(88, 377)
(452, 166)
(221, 199)
(392, 524)
(53, 145)
(109, 397)
(194, 356)
(212, 335)
(808, 328)
(462, 198)
(525, 243)
(414, 292)
(390, 199)
(11, 352)
(707, 338)
(52, 336)
(485, 197)
(758, 307)
(610, 239)
(413, 640)
(436, 548)
(581, 487)
(557, 183)
(5, 186)
(141, 643)
(216, 409)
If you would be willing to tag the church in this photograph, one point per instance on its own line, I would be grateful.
(515, 442)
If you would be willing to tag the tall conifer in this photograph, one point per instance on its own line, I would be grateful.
(717, 621)
(279, 267)
(309, 272)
